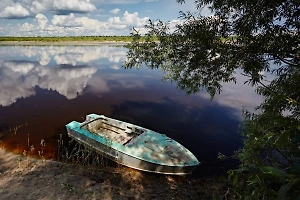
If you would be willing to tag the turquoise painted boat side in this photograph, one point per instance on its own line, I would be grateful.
(144, 146)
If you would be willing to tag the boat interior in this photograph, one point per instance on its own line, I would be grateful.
(120, 132)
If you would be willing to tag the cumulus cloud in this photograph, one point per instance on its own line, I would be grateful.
(14, 11)
(66, 21)
(73, 25)
(27, 8)
(128, 20)
(115, 67)
(26, 27)
(42, 20)
(115, 11)
(72, 6)
(120, 1)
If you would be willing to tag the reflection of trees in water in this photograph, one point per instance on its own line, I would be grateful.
(204, 131)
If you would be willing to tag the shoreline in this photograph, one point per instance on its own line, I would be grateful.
(24, 177)
(62, 43)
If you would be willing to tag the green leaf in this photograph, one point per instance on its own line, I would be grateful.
(283, 138)
(295, 168)
(295, 135)
(243, 169)
(281, 194)
(235, 180)
(274, 171)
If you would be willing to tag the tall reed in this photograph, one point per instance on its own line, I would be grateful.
(78, 153)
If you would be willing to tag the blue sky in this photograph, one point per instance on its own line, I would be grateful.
(84, 17)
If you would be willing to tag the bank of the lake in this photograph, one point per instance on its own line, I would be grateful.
(61, 43)
(29, 178)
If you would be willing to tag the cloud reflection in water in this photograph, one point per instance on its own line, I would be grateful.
(70, 69)
(18, 79)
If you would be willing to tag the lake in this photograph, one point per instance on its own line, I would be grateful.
(42, 88)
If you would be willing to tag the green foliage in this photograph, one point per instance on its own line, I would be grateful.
(204, 52)
(194, 55)
(270, 156)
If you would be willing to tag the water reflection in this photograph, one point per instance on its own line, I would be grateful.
(18, 79)
(43, 88)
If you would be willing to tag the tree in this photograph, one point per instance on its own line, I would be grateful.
(204, 52)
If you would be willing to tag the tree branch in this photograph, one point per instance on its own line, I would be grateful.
(285, 61)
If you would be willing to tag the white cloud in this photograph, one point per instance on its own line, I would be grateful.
(76, 17)
(133, 19)
(73, 6)
(128, 21)
(26, 27)
(115, 67)
(42, 21)
(62, 25)
(174, 23)
(66, 21)
(38, 6)
(26, 8)
(120, 1)
(15, 10)
(115, 11)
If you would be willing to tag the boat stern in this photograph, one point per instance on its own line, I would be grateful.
(72, 126)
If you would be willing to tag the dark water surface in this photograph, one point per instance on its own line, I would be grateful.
(42, 88)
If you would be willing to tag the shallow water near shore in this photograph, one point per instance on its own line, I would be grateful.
(42, 88)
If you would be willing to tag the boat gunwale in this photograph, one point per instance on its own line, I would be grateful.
(124, 149)
(115, 159)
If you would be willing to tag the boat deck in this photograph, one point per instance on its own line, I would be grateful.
(111, 131)
(161, 149)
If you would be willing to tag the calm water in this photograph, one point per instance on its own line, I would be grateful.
(44, 88)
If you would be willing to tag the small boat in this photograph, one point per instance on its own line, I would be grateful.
(133, 146)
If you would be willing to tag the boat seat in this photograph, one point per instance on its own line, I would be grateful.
(130, 130)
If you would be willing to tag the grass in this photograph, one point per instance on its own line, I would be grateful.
(77, 153)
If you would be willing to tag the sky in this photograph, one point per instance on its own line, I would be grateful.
(84, 17)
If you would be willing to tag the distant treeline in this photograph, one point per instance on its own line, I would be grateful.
(68, 39)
